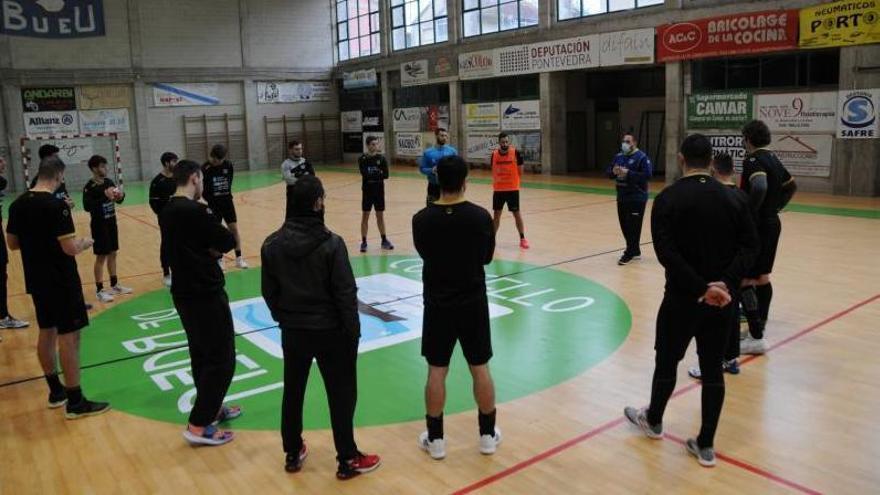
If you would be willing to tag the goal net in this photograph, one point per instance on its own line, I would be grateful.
(76, 149)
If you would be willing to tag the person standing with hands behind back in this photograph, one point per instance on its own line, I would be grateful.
(294, 167)
(631, 170)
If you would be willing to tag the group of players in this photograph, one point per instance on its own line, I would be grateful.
(716, 243)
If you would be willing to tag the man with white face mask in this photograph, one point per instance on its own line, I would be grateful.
(631, 170)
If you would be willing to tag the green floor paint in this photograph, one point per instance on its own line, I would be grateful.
(550, 326)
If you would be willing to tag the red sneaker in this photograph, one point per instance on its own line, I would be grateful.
(523, 243)
(360, 464)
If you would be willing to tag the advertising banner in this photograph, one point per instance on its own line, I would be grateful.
(98, 97)
(626, 47)
(351, 121)
(798, 112)
(293, 92)
(517, 115)
(58, 19)
(109, 120)
(482, 116)
(737, 34)
(185, 95)
(840, 24)
(48, 99)
(51, 123)
(859, 113)
(729, 110)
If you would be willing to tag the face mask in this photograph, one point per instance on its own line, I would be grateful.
(625, 147)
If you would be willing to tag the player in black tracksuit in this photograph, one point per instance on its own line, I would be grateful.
(770, 187)
(46, 151)
(6, 320)
(100, 196)
(162, 187)
(374, 171)
(706, 241)
(218, 174)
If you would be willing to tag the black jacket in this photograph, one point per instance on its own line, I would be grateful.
(307, 280)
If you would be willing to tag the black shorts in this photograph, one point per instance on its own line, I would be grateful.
(106, 236)
(224, 209)
(511, 198)
(433, 193)
(373, 198)
(63, 310)
(769, 230)
(468, 324)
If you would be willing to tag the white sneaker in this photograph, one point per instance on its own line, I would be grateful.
(166, 280)
(10, 322)
(751, 345)
(241, 263)
(489, 443)
(120, 290)
(222, 264)
(104, 296)
(436, 449)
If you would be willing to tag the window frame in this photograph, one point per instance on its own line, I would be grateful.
(636, 5)
(483, 5)
(415, 25)
(374, 22)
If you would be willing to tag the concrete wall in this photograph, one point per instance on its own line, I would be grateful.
(231, 42)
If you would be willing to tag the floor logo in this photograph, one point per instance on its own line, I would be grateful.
(547, 326)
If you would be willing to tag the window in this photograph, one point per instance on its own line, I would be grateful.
(417, 23)
(491, 16)
(502, 88)
(572, 9)
(813, 68)
(357, 28)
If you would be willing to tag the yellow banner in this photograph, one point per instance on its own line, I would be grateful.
(104, 96)
(840, 24)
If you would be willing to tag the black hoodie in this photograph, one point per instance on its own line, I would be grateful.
(307, 280)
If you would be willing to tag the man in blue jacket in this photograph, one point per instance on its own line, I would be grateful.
(631, 170)
(431, 157)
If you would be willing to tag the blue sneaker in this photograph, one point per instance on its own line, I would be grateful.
(731, 366)
(364, 247)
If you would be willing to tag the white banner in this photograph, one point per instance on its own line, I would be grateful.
(351, 121)
(110, 120)
(380, 140)
(185, 95)
(732, 144)
(567, 54)
(413, 73)
(520, 115)
(409, 144)
(76, 150)
(293, 92)
(480, 145)
(406, 119)
(474, 65)
(360, 79)
(798, 112)
(627, 47)
(51, 123)
(859, 112)
(804, 155)
(482, 116)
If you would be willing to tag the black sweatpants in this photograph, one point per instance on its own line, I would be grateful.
(679, 321)
(163, 253)
(288, 210)
(4, 262)
(209, 332)
(630, 215)
(731, 350)
(336, 355)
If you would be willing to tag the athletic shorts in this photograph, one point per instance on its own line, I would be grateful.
(106, 236)
(500, 198)
(769, 230)
(468, 325)
(224, 209)
(373, 198)
(63, 310)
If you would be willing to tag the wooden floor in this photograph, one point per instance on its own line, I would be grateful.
(803, 418)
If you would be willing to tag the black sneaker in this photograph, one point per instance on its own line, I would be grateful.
(86, 408)
(293, 463)
(625, 260)
(57, 400)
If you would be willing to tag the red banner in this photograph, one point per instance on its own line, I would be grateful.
(738, 34)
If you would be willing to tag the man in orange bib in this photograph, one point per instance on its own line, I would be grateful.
(507, 168)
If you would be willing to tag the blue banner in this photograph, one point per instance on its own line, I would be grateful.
(52, 18)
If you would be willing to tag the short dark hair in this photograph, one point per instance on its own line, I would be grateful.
(167, 158)
(502, 135)
(757, 133)
(439, 130)
(697, 151)
(451, 172)
(723, 163)
(184, 170)
(218, 151)
(625, 134)
(293, 143)
(47, 150)
(51, 167)
(371, 139)
(305, 193)
(95, 161)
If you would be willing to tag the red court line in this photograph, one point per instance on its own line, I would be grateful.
(753, 469)
(611, 424)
